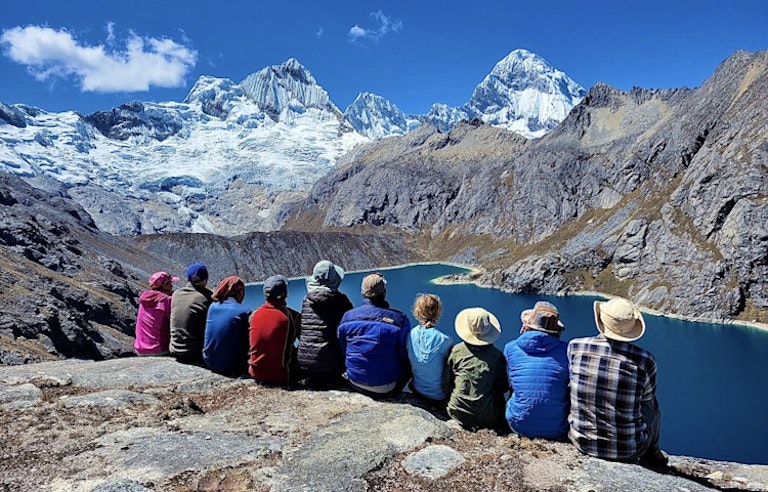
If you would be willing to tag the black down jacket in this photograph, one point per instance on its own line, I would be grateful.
(321, 312)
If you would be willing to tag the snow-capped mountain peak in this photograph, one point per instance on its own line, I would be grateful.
(274, 88)
(210, 88)
(223, 160)
(215, 96)
(525, 94)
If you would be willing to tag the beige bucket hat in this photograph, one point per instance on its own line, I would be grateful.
(477, 326)
(619, 319)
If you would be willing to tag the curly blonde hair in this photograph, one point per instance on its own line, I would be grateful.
(427, 309)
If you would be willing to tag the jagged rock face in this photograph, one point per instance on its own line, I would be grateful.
(656, 195)
(257, 256)
(411, 183)
(134, 120)
(11, 116)
(216, 96)
(65, 294)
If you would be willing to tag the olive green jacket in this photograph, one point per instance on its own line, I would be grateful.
(475, 377)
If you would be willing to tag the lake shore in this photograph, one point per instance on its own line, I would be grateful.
(469, 277)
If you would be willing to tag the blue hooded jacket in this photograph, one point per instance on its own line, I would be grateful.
(428, 349)
(537, 366)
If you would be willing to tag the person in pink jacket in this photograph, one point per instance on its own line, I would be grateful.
(153, 323)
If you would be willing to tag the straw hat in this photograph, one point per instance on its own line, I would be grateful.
(477, 326)
(618, 319)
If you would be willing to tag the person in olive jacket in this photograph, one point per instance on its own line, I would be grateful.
(319, 355)
(475, 374)
(189, 310)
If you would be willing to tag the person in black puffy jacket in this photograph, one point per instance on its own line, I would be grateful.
(319, 356)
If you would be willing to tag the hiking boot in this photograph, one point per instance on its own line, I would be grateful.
(655, 459)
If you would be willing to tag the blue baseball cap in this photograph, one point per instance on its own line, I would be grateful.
(197, 272)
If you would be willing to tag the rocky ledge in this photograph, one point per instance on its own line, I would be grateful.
(138, 424)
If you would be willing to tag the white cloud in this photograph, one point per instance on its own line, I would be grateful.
(358, 34)
(320, 32)
(385, 24)
(110, 27)
(145, 61)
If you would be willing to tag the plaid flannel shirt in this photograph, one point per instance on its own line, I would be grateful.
(609, 382)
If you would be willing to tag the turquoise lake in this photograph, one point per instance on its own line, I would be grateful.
(710, 389)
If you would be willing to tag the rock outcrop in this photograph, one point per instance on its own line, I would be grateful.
(140, 424)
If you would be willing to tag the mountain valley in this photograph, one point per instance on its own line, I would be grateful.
(658, 195)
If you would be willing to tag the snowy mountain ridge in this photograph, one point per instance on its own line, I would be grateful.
(231, 157)
(523, 93)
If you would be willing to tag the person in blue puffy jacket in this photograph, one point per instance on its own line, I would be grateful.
(537, 366)
(373, 338)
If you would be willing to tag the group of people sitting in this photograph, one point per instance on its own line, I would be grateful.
(599, 392)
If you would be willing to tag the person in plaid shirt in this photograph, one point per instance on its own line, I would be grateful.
(614, 412)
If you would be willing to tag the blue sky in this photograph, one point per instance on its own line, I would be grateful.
(90, 55)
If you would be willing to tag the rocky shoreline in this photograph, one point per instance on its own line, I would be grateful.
(138, 424)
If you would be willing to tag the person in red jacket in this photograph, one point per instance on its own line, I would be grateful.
(274, 328)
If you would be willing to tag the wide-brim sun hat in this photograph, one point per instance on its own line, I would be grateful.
(619, 319)
(543, 316)
(477, 326)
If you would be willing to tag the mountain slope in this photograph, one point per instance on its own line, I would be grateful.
(658, 195)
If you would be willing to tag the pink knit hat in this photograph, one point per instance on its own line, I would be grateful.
(159, 278)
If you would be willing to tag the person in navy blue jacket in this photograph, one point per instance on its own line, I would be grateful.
(537, 366)
(225, 345)
(373, 338)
